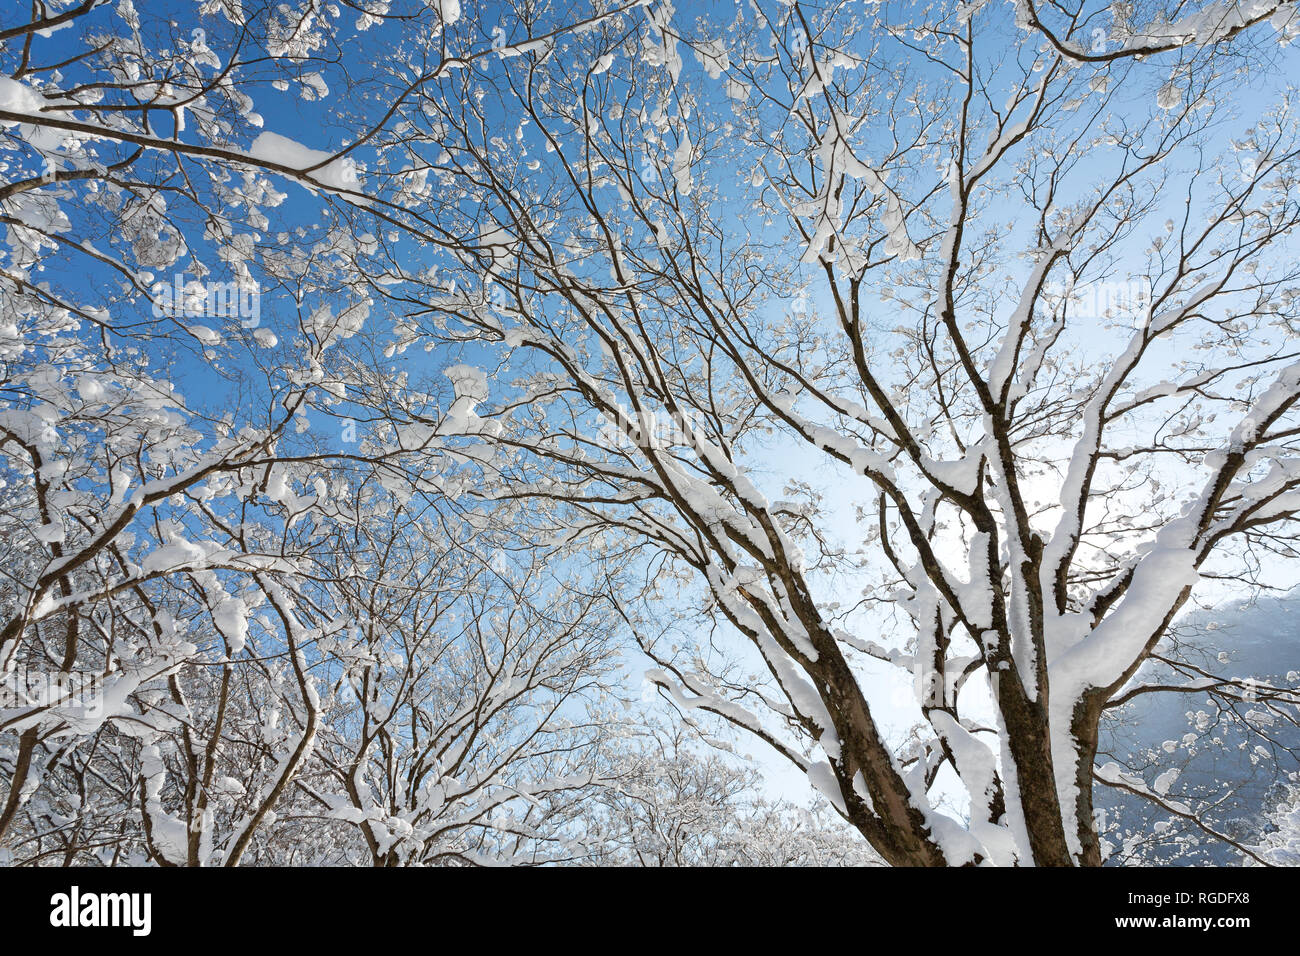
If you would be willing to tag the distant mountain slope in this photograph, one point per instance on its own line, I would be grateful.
(1211, 743)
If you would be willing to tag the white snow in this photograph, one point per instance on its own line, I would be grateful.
(311, 166)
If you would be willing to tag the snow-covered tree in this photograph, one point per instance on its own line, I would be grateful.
(667, 800)
(179, 476)
(462, 716)
(879, 338)
(821, 345)
(1281, 841)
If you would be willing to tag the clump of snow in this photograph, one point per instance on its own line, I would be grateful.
(310, 165)
(18, 97)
